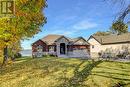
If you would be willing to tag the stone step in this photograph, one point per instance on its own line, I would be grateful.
(63, 56)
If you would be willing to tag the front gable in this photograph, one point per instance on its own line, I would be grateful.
(95, 46)
(81, 42)
(38, 44)
(62, 40)
(93, 41)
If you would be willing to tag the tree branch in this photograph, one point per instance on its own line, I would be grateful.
(125, 13)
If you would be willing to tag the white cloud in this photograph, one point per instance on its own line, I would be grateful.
(65, 17)
(83, 25)
(73, 29)
(69, 32)
(63, 32)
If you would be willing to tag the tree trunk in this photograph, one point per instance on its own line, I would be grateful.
(13, 58)
(5, 56)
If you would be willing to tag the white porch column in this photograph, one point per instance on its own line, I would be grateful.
(58, 48)
(66, 51)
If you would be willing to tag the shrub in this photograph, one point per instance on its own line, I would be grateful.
(115, 53)
(100, 54)
(128, 56)
(45, 55)
(49, 55)
(122, 54)
(18, 55)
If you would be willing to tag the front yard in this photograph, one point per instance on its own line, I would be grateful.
(61, 72)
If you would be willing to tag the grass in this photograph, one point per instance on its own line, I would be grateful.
(1, 60)
(61, 72)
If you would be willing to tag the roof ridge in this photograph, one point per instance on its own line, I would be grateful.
(55, 34)
(113, 38)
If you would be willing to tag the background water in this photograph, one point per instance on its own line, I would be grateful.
(26, 52)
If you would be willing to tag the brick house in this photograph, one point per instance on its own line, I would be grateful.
(61, 46)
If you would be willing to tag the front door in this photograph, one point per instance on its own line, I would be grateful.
(62, 48)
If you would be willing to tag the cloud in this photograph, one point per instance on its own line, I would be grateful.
(69, 32)
(73, 28)
(83, 25)
(65, 17)
(63, 32)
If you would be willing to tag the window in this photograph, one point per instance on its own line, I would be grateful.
(39, 48)
(51, 47)
(92, 46)
(70, 48)
(75, 48)
(82, 48)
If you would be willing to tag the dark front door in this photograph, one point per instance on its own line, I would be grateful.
(62, 48)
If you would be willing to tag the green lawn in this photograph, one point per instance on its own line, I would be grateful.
(61, 72)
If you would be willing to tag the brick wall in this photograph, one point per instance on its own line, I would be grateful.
(41, 43)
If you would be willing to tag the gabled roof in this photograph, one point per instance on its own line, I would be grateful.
(112, 39)
(75, 40)
(50, 39)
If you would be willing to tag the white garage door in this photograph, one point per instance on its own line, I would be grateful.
(80, 53)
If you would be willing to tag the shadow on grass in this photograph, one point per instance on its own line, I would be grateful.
(23, 58)
(112, 77)
(117, 78)
(111, 68)
(29, 65)
(118, 74)
(80, 76)
(112, 73)
(40, 68)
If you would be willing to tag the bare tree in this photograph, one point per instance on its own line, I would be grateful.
(125, 11)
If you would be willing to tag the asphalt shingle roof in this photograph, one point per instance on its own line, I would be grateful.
(110, 39)
(51, 39)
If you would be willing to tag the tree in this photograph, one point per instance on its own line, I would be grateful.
(123, 14)
(100, 33)
(26, 23)
(14, 49)
(119, 27)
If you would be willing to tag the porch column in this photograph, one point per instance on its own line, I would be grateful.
(58, 49)
(66, 51)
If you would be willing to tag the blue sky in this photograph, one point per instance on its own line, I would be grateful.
(75, 18)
